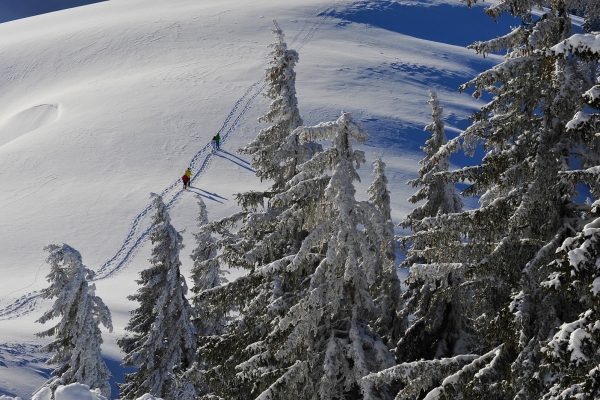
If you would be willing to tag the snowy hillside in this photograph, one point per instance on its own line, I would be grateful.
(103, 104)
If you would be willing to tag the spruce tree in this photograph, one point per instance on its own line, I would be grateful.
(305, 314)
(262, 234)
(275, 152)
(339, 304)
(324, 343)
(438, 329)
(571, 360)
(380, 231)
(206, 275)
(163, 343)
(77, 337)
(528, 208)
(438, 194)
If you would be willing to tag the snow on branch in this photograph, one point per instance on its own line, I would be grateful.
(421, 375)
(587, 44)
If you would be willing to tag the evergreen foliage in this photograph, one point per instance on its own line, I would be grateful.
(275, 151)
(163, 343)
(332, 323)
(77, 337)
(260, 239)
(206, 275)
(529, 338)
(387, 292)
(433, 300)
(439, 195)
(306, 319)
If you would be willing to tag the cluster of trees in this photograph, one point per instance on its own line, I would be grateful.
(501, 301)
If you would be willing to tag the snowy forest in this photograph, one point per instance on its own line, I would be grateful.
(501, 301)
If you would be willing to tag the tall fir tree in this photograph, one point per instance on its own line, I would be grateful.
(259, 235)
(571, 361)
(520, 316)
(387, 285)
(77, 337)
(324, 343)
(163, 343)
(275, 151)
(435, 305)
(306, 311)
(206, 275)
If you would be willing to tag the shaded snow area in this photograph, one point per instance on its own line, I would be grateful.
(101, 105)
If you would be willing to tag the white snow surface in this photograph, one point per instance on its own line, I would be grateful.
(101, 105)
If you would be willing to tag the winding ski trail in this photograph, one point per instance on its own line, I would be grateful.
(137, 234)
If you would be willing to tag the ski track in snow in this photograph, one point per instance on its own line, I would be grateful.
(134, 239)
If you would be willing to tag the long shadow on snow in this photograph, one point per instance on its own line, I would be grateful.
(198, 193)
(235, 162)
(442, 23)
(397, 136)
(117, 372)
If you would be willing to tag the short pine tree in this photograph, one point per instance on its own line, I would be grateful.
(77, 337)
(439, 195)
(163, 343)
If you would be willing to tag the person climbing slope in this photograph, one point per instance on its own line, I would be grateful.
(187, 178)
(218, 140)
(213, 143)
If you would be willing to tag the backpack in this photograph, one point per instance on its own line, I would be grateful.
(185, 178)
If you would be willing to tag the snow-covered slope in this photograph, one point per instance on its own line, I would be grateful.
(102, 105)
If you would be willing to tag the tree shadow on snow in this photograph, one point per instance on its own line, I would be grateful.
(117, 375)
(436, 23)
(208, 195)
(234, 159)
(234, 156)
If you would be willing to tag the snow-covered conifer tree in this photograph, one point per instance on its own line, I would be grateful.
(206, 274)
(260, 235)
(528, 207)
(437, 329)
(439, 195)
(571, 361)
(275, 151)
(380, 230)
(77, 337)
(306, 309)
(163, 343)
(328, 341)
